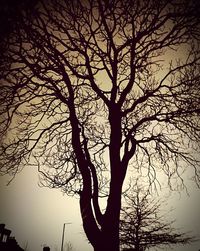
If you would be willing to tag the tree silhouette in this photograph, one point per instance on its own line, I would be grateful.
(142, 225)
(88, 87)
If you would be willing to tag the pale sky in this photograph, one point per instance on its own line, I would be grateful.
(36, 215)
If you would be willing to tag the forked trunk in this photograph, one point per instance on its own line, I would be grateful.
(106, 239)
(106, 236)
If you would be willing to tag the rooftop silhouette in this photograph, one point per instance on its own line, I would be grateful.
(8, 242)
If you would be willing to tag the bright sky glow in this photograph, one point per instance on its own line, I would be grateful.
(36, 215)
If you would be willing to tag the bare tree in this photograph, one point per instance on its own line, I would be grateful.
(143, 225)
(88, 87)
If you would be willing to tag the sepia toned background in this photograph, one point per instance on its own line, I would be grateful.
(36, 215)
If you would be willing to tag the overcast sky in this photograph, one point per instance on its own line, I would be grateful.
(36, 215)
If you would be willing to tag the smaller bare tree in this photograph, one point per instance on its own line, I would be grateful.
(143, 226)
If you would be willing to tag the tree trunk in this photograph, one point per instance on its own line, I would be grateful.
(102, 231)
(106, 236)
(109, 243)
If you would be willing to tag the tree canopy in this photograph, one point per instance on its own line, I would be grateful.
(90, 87)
